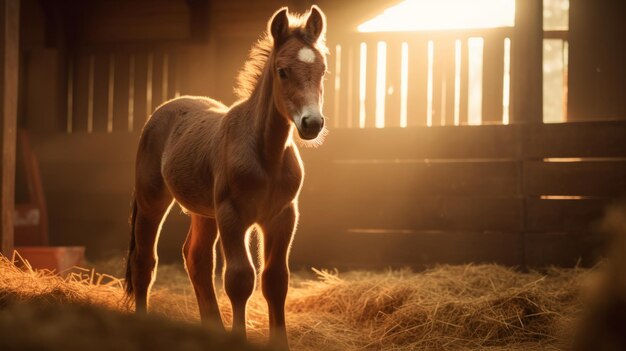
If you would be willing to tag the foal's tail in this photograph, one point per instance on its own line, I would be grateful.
(128, 282)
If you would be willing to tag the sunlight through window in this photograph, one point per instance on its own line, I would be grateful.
(475, 81)
(457, 82)
(416, 15)
(404, 83)
(429, 89)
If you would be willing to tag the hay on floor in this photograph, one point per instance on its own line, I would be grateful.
(453, 307)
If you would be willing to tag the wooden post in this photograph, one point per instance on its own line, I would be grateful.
(526, 85)
(526, 62)
(9, 70)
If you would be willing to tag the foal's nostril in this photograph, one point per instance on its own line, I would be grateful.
(305, 122)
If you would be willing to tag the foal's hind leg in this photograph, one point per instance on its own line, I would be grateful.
(199, 254)
(144, 258)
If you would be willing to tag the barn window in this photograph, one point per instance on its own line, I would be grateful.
(444, 62)
(421, 15)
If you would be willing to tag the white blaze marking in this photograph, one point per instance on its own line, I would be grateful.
(306, 55)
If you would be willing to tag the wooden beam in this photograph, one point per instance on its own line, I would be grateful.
(597, 78)
(9, 23)
(526, 61)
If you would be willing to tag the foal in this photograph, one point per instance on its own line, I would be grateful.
(233, 168)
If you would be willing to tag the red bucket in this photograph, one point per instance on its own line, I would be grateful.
(59, 259)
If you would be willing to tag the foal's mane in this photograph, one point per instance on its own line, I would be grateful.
(261, 51)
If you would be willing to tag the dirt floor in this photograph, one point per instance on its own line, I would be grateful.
(472, 307)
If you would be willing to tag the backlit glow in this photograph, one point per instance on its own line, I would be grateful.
(381, 84)
(417, 15)
(506, 82)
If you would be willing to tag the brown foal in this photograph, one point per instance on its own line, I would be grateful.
(232, 169)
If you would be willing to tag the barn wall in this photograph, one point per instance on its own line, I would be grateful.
(371, 197)
(516, 195)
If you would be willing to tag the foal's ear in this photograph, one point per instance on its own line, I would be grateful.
(315, 24)
(279, 26)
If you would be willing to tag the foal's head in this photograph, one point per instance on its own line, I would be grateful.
(298, 65)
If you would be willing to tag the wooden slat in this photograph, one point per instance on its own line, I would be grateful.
(81, 148)
(564, 215)
(418, 79)
(157, 79)
(141, 73)
(564, 249)
(121, 93)
(422, 142)
(393, 76)
(527, 63)
(376, 250)
(81, 93)
(493, 73)
(373, 210)
(579, 139)
(80, 178)
(420, 178)
(352, 87)
(589, 178)
(447, 103)
(370, 87)
(463, 103)
(101, 92)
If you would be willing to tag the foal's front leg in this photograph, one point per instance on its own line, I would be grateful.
(277, 236)
(239, 276)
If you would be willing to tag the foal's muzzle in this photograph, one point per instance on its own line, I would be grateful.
(310, 127)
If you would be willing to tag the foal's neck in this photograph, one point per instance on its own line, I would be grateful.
(273, 131)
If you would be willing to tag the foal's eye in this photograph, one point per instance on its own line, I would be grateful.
(282, 73)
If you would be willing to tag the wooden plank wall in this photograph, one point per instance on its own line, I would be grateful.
(88, 180)
(116, 90)
(516, 194)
